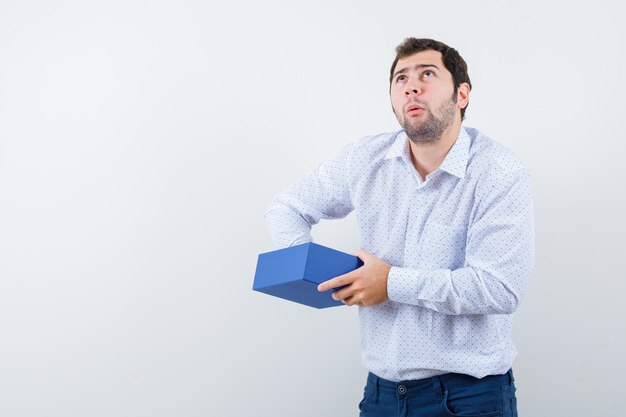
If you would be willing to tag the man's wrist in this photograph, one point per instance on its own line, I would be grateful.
(402, 284)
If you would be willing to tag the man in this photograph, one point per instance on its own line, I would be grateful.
(447, 231)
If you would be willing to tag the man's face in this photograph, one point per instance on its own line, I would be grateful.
(423, 97)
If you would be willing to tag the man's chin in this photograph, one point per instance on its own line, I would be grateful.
(419, 133)
(421, 139)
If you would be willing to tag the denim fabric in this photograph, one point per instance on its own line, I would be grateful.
(455, 395)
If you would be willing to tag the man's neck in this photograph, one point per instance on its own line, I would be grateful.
(427, 157)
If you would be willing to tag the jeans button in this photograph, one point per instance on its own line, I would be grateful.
(402, 389)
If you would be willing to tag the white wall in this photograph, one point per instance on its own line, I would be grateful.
(140, 143)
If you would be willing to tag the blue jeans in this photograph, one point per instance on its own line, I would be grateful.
(441, 396)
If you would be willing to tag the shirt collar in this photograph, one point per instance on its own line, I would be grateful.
(400, 147)
(455, 162)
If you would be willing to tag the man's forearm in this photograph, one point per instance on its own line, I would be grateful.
(286, 226)
(463, 291)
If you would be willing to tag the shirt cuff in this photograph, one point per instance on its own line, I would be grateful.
(402, 284)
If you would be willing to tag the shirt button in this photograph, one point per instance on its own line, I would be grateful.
(402, 389)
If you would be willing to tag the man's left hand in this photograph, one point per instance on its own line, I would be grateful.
(365, 286)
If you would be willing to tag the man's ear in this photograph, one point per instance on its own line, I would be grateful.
(462, 97)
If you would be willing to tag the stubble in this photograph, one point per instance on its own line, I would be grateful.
(431, 129)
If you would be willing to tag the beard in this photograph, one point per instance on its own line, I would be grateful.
(431, 129)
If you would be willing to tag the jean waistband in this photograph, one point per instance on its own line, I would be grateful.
(435, 385)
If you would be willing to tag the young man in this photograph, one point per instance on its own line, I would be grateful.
(447, 230)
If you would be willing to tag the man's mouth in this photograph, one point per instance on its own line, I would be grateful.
(414, 109)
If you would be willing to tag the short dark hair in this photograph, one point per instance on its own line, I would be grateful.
(450, 57)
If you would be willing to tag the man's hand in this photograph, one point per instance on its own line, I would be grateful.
(365, 286)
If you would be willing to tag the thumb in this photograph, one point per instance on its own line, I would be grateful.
(363, 254)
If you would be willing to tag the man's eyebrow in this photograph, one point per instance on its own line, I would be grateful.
(405, 69)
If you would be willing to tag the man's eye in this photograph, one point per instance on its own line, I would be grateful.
(400, 78)
(428, 74)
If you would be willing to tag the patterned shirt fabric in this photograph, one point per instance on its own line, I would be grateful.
(460, 243)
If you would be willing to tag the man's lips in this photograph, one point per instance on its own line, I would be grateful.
(414, 109)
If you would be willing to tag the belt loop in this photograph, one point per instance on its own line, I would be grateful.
(437, 388)
(511, 379)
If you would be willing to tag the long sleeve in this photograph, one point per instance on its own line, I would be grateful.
(499, 258)
(321, 194)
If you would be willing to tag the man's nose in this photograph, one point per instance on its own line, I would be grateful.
(412, 90)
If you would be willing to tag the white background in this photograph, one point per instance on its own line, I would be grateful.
(140, 143)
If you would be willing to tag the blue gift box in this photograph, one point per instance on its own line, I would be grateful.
(294, 273)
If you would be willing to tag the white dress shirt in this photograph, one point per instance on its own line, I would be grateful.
(460, 243)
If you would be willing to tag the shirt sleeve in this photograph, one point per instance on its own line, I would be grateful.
(321, 194)
(499, 258)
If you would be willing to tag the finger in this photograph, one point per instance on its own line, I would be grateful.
(350, 301)
(343, 293)
(336, 282)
